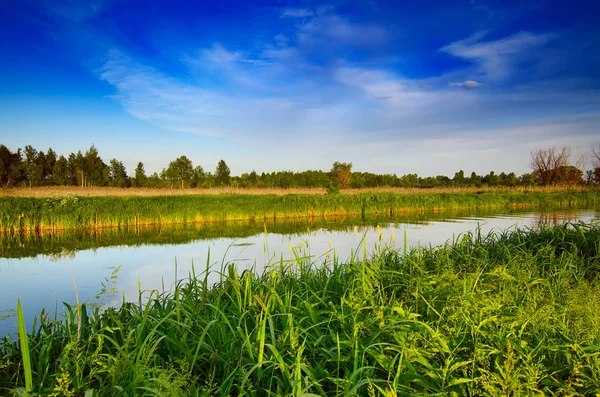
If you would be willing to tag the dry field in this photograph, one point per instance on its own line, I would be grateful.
(48, 191)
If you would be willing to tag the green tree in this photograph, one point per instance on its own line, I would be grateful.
(11, 165)
(198, 177)
(180, 170)
(94, 169)
(49, 163)
(459, 178)
(140, 175)
(34, 169)
(118, 174)
(222, 174)
(60, 172)
(209, 181)
(342, 173)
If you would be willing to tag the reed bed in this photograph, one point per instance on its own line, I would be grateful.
(49, 191)
(69, 212)
(505, 314)
(64, 242)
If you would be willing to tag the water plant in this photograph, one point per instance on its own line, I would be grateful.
(28, 213)
(512, 313)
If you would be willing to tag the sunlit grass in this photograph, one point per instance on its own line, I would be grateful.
(68, 212)
(49, 191)
(498, 314)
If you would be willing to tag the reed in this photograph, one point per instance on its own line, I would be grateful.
(68, 212)
(500, 314)
(68, 241)
(49, 191)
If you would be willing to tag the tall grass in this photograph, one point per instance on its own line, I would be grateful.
(49, 191)
(65, 242)
(60, 212)
(506, 314)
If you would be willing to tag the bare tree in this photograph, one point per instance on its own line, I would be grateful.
(596, 162)
(596, 155)
(546, 163)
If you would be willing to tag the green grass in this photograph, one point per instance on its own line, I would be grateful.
(65, 242)
(510, 314)
(68, 212)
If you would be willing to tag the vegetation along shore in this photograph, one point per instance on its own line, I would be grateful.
(67, 212)
(500, 314)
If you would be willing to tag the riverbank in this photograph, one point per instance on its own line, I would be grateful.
(72, 212)
(508, 314)
(51, 191)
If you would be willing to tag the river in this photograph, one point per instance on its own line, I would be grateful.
(105, 267)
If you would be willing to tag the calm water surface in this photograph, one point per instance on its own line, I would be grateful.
(44, 271)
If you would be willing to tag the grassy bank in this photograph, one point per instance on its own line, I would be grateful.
(66, 212)
(50, 191)
(68, 241)
(510, 314)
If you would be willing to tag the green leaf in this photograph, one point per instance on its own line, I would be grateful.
(24, 344)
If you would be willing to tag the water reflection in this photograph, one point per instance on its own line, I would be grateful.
(113, 264)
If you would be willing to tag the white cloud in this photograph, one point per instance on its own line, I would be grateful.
(498, 59)
(466, 84)
(278, 99)
(333, 30)
(296, 13)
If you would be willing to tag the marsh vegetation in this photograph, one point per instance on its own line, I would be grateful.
(496, 314)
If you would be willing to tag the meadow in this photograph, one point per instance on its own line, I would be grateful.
(65, 211)
(500, 314)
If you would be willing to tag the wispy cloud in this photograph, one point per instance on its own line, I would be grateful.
(333, 30)
(466, 84)
(497, 60)
(278, 94)
(76, 11)
(296, 13)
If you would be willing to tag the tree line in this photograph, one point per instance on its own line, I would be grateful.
(32, 167)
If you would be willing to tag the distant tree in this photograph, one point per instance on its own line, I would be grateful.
(60, 172)
(34, 168)
(94, 169)
(75, 169)
(569, 175)
(342, 173)
(49, 162)
(118, 174)
(11, 165)
(155, 181)
(140, 175)
(589, 177)
(180, 170)
(491, 179)
(222, 174)
(408, 180)
(209, 181)
(253, 179)
(527, 180)
(459, 178)
(198, 177)
(596, 162)
(545, 163)
(474, 179)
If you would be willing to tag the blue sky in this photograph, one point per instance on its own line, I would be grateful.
(425, 87)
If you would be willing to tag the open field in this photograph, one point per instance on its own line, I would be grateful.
(497, 315)
(71, 212)
(49, 191)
